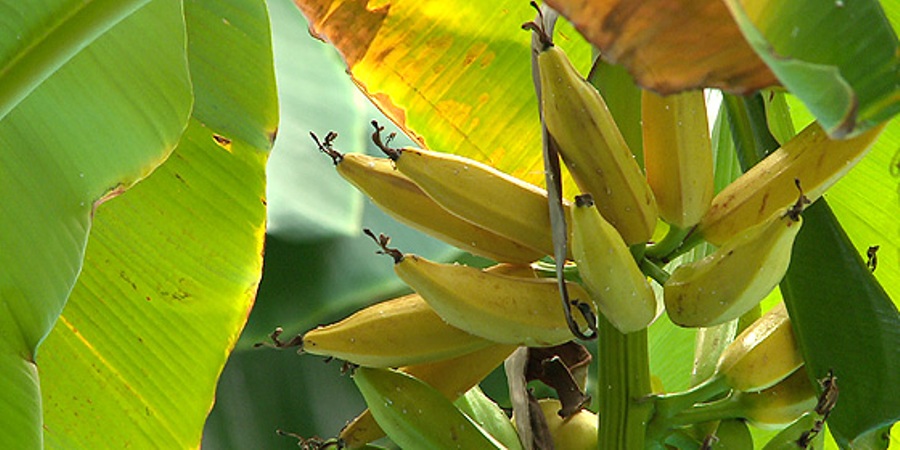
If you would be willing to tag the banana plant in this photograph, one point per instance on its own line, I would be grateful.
(446, 75)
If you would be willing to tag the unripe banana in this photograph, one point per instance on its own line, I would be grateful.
(403, 200)
(576, 432)
(678, 155)
(780, 404)
(593, 148)
(398, 332)
(608, 270)
(763, 354)
(789, 438)
(810, 157)
(735, 278)
(480, 194)
(415, 415)
(451, 377)
(486, 413)
(733, 434)
(500, 308)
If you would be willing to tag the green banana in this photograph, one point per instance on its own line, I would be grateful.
(678, 155)
(592, 146)
(763, 354)
(810, 157)
(789, 438)
(479, 193)
(608, 270)
(501, 308)
(393, 333)
(735, 278)
(403, 200)
(486, 413)
(451, 377)
(415, 415)
(732, 434)
(780, 404)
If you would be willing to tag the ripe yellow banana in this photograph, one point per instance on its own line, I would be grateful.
(451, 377)
(608, 270)
(678, 155)
(593, 148)
(735, 278)
(398, 332)
(400, 197)
(415, 415)
(810, 157)
(763, 354)
(576, 432)
(479, 193)
(500, 308)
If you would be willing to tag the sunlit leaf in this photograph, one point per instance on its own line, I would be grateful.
(77, 128)
(456, 75)
(840, 58)
(670, 46)
(172, 265)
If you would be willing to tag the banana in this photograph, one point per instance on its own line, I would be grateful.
(732, 434)
(478, 193)
(486, 413)
(451, 377)
(780, 404)
(501, 308)
(735, 278)
(403, 200)
(592, 146)
(678, 155)
(608, 270)
(415, 415)
(810, 157)
(789, 438)
(393, 333)
(576, 432)
(763, 354)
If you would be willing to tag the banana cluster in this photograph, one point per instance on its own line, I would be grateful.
(461, 322)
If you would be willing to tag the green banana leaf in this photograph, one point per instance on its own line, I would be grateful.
(144, 312)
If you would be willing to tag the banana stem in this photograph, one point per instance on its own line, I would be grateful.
(623, 387)
(663, 251)
(672, 405)
(654, 271)
(726, 408)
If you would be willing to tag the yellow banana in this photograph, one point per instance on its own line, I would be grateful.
(400, 197)
(479, 194)
(593, 148)
(810, 157)
(735, 278)
(576, 432)
(414, 415)
(498, 307)
(451, 377)
(678, 155)
(393, 333)
(608, 270)
(763, 354)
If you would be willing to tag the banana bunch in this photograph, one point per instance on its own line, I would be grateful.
(592, 146)
(405, 201)
(731, 281)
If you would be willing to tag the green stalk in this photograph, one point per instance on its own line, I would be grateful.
(669, 406)
(663, 250)
(623, 387)
(749, 129)
(654, 271)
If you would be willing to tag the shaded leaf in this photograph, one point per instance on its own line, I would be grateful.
(840, 58)
(172, 266)
(845, 322)
(671, 46)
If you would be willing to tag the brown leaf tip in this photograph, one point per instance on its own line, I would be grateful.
(383, 240)
(326, 146)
